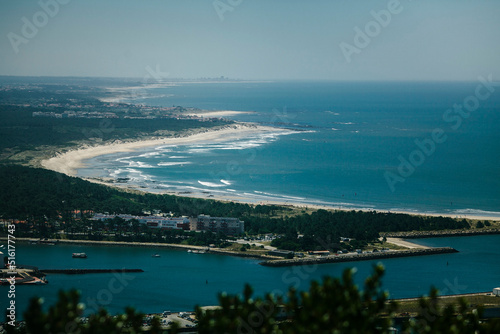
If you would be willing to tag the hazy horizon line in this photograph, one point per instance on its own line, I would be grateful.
(236, 80)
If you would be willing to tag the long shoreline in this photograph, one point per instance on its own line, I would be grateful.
(269, 261)
(69, 162)
(220, 251)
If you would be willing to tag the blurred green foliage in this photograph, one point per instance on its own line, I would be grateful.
(336, 305)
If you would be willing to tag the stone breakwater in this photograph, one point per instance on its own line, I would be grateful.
(437, 234)
(359, 257)
(89, 271)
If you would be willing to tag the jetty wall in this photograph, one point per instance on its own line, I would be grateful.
(89, 271)
(437, 234)
(359, 257)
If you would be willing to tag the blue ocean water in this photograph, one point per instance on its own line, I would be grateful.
(352, 139)
(178, 280)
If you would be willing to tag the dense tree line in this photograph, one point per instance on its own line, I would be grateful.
(35, 193)
(40, 195)
(323, 229)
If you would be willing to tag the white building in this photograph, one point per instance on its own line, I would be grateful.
(159, 222)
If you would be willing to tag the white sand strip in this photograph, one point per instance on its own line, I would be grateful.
(70, 161)
(404, 243)
(220, 113)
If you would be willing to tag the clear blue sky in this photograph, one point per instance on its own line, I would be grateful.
(252, 39)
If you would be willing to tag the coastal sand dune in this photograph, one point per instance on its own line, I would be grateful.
(68, 162)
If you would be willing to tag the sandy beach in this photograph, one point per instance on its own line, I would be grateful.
(219, 113)
(334, 207)
(68, 162)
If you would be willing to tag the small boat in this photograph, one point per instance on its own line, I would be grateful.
(47, 242)
(80, 255)
(156, 255)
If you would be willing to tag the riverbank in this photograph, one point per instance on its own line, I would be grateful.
(198, 249)
(270, 261)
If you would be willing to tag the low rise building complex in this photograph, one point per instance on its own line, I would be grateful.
(229, 226)
(226, 225)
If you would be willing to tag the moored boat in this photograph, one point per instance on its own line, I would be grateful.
(80, 255)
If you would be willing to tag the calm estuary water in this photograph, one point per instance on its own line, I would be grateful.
(178, 280)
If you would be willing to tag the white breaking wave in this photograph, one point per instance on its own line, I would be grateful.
(174, 163)
(211, 184)
(165, 148)
(178, 157)
(137, 164)
(226, 182)
(117, 172)
(474, 212)
(150, 154)
(331, 112)
(199, 150)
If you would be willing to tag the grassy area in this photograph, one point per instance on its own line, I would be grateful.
(493, 224)
(253, 250)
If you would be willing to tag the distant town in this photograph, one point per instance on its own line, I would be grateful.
(58, 102)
